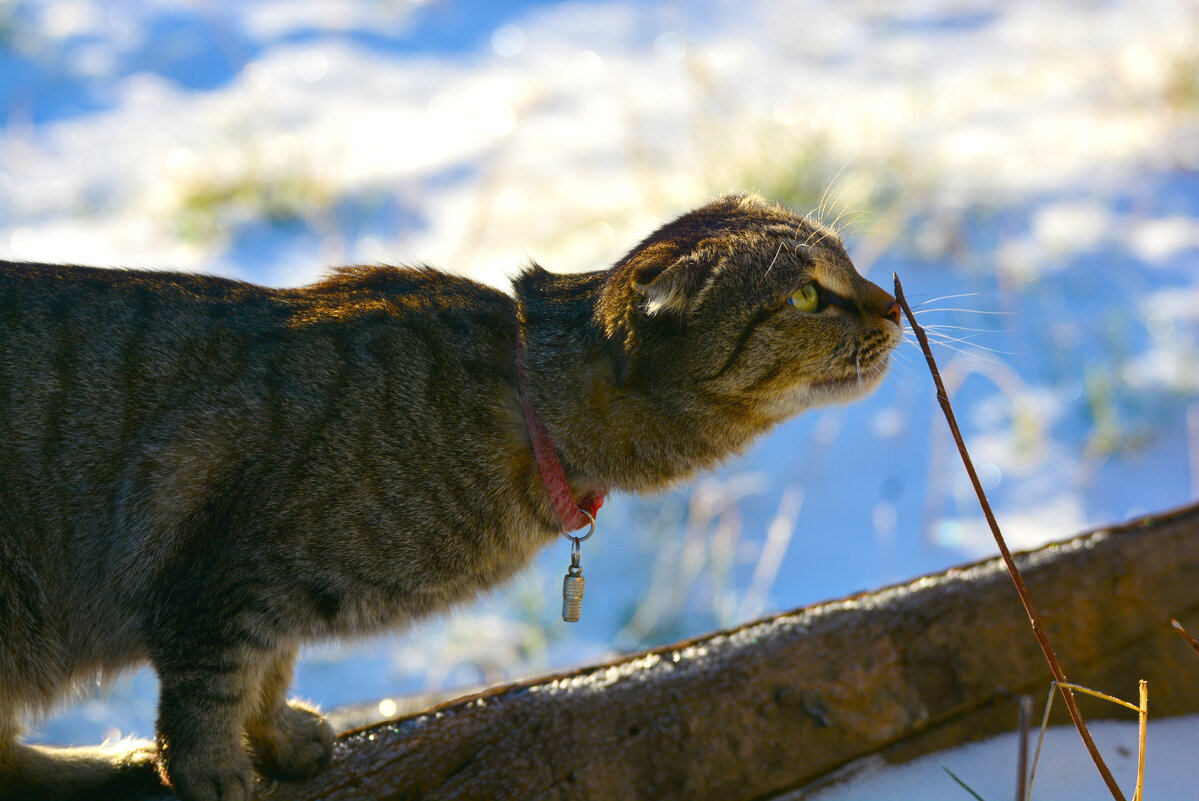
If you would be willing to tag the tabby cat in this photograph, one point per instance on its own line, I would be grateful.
(205, 474)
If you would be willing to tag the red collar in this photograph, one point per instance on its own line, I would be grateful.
(570, 514)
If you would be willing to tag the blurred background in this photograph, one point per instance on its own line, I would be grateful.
(1030, 169)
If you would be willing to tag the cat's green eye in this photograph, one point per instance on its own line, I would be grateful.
(806, 299)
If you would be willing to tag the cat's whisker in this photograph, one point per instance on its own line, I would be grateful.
(936, 339)
(945, 297)
(833, 182)
(776, 257)
(823, 235)
(973, 344)
(807, 218)
(850, 233)
(862, 213)
(902, 367)
(933, 335)
(972, 354)
(857, 217)
(837, 200)
(967, 311)
(940, 327)
(852, 229)
(939, 337)
(841, 214)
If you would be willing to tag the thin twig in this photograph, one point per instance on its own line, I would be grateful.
(1021, 589)
(1026, 703)
(1178, 627)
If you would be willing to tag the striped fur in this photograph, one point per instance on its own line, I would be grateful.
(203, 474)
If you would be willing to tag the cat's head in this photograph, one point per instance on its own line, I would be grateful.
(747, 304)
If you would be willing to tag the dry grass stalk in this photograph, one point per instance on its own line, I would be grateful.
(1142, 716)
(1143, 723)
(1042, 639)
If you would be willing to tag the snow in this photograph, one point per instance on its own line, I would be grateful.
(1038, 158)
(1065, 771)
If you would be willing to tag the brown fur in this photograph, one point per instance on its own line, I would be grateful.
(204, 474)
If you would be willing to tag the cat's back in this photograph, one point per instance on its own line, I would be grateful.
(38, 297)
(136, 402)
(85, 351)
(97, 365)
(63, 316)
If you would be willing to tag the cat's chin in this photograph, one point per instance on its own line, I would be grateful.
(820, 393)
(844, 390)
(828, 393)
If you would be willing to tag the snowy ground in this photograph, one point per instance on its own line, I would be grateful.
(1065, 771)
(1041, 158)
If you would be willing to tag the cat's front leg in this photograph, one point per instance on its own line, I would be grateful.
(205, 693)
(288, 740)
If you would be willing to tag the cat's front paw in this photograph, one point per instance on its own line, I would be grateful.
(297, 746)
(204, 778)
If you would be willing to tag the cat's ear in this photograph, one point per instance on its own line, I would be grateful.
(670, 283)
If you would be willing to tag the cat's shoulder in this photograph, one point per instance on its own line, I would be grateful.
(415, 288)
(390, 279)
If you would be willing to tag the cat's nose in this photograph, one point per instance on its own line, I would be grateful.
(878, 301)
(893, 313)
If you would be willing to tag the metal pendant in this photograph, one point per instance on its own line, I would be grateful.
(572, 585)
(572, 594)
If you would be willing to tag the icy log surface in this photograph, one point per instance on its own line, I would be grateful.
(776, 704)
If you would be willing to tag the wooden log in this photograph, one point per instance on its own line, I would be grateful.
(773, 705)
